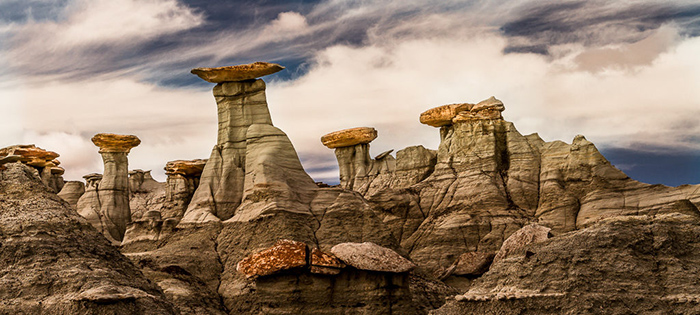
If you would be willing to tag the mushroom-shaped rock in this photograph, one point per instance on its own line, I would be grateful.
(325, 263)
(370, 256)
(237, 73)
(185, 168)
(442, 115)
(109, 142)
(515, 244)
(284, 255)
(349, 137)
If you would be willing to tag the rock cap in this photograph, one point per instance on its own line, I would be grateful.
(237, 72)
(109, 142)
(442, 115)
(370, 256)
(349, 137)
(185, 167)
(284, 255)
(31, 155)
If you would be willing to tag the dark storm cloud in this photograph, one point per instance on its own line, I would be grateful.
(656, 166)
(594, 23)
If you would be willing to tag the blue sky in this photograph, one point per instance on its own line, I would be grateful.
(623, 73)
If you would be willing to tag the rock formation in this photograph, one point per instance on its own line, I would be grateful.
(43, 161)
(71, 192)
(53, 262)
(113, 191)
(621, 265)
(361, 173)
(145, 193)
(240, 105)
(488, 181)
(183, 180)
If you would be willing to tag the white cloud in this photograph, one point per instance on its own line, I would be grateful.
(109, 21)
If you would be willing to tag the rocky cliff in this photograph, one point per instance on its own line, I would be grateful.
(509, 219)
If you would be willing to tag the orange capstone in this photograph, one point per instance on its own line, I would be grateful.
(442, 115)
(109, 142)
(284, 255)
(349, 137)
(185, 168)
(31, 155)
(237, 73)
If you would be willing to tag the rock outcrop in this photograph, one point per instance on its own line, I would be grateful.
(113, 189)
(43, 161)
(71, 192)
(53, 262)
(183, 180)
(621, 265)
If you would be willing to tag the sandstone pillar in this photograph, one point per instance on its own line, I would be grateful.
(241, 102)
(114, 187)
(352, 151)
(183, 180)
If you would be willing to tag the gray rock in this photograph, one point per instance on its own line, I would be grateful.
(515, 244)
(620, 265)
(370, 256)
(58, 262)
(71, 192)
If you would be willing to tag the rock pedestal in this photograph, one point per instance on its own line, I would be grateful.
(43, 161)
(183, 180)
(240, 104)
(352, 151)
(114, 186)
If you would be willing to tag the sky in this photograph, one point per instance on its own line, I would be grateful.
(626, 74)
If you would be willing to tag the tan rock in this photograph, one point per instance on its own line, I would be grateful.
(370, 256)
(349, 137)
(473, 263)
(185, 168)
(284, 255)
(31, 155)
(442, 115)
(325, 263)
(488, 109)
(515, 244)
(237, 73)
(109, 142)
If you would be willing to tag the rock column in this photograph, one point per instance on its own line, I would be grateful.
(114, 187)
(241, 102)
(352, 151)
(183, 180)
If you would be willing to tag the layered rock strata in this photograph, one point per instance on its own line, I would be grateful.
(620, 265)
(240, 105)
(183, 180)
(43, 161)
(361, 173)
(488, 181)
(53, 262)
(115, 212)
(71, 192)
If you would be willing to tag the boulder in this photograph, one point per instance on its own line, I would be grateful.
(349, 137)
(237, 73)
(188, 168)
(370, 256)
(443, 115)
(324, 263)
(284, 255)
(515, 244)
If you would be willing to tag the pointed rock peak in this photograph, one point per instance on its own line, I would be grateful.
(237, 72)
(442, 115)
(109, 142)
(579, 139)
(349, 137)
(489, 103)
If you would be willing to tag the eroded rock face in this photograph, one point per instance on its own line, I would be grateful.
(626, 264)
(370, 256)
(516, 243)
(71, 192)
(220, 192)
(237, 73)
(53, 262)
(43, 161)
